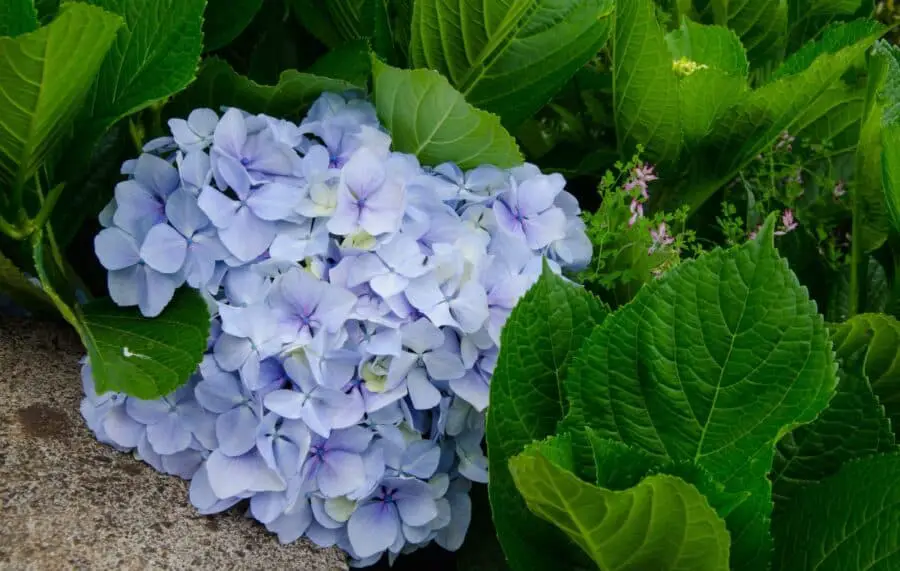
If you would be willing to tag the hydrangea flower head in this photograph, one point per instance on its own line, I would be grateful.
(360, 298)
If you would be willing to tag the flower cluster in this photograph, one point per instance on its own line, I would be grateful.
(358, 298)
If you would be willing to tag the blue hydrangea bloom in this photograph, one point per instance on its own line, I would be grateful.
(359, 299)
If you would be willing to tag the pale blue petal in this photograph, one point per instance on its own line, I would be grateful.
(116, 249)
(169, 435)
(164, 249)
(274, 201)
(230, 476)
(373, 528)
(236, 431)
(340, 473)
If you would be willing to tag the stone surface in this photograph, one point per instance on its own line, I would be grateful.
(67, 501)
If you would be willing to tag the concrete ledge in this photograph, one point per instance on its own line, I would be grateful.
(67, 501)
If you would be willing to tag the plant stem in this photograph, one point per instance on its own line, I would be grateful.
(47, 206)
(12, 231)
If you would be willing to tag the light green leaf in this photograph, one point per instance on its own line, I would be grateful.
(17, 17)
(663, 523)
(882, 131)
(508, 57)
(16, 286)
(155, 55)
(834, 118)
(145, 358)
(224, 20)
(853, 426)
(218, 85)
(847, 522)
(429, 119)
(645, 86)
(710, 364)
(890, 165)
(834, 39)
(713, 46)
(753, 124)
(879, 335)
(44, 77)
(761, 25)
(545, 328)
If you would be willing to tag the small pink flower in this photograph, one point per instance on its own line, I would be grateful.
(788, 224)
(660, 237)
(840, 189)
(637, 211)
(752, 235)
(640, 177)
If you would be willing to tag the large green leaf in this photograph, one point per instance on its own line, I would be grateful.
(645, 86)
(332, 22)
(853, 426)
(807, 18)
(848, 522)
(508, 56)
(145, 358)
(834, 118)
(761, 25)
(710, 364)
(890, 165)
(880, 125)
(546, 327)
(429, 119)
(155, 55)
(218, 85)
(224, 20)
(44, 77)
(879, 335)
(753, 124)
(17, 17)
(15, 285)
(661, 523)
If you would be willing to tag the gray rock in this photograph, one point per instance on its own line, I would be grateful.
(67, 501)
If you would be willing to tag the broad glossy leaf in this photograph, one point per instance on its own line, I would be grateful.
(761, 25)
(879, 336)
(224, 20)
(890, 165)
(155, 55)
(426, 117)
(661, 523)
(807, 18)
(44, 77)
(835, 118)
(853, 426)
(218, 85)
(333, 22)
(713, 46)
(847, 522)
(17, 17)
(508, 56)
(883, 131)
(710, 365)
(146, 358)
(645, 87)
(546, 327)
(350, 62)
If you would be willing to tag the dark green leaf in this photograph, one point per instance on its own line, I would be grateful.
(146, 358)
(155, 55)
(847, 522)
(332, 22)
(661, 523)
(508, 57)
(224, 20)
(46, 9)
(834, 39)
(17, 17)
(428, 118)
(44, 77)
(16, 286)
(807, 18)
(710, 365)
(760, 24)
(546, 327)
(350, 62)
(853, 426)
(879, 335)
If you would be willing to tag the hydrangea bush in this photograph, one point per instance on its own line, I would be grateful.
(358, 299)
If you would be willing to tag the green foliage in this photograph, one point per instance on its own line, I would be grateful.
(46, 75)
(17, 17)
(224, 20)
(661, 523)
(544, 330)
(146, 358)
(429, 119)
(848, 521)
(16, 286)
(509, 58)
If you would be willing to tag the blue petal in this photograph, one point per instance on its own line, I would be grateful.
(231, 476)
(164, 249)
(373, 528)
(236, 431)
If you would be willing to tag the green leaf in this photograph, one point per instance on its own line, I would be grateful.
(760, 24)
(713, 46)
(753, 124)
(332, 22)
(155, 55)
(807, 18)
(834, 39)
(645, 86)
(16, 286)
(890, 165)
(224, 20)
(351, 62)
(710, 364)
(429, 119)
(847, 522)
(879, 336)
(834, 118)
(44, 77)
(661, 523)
(508, 57)
(881, 133)
(218, 85)
(17, 17)
(146, 358)
(853, 426)
(545, 328)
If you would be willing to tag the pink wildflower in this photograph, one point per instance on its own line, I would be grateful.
(752, 235)
(637, 211)
(640, 177)
(788, 224)
(660, 237)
